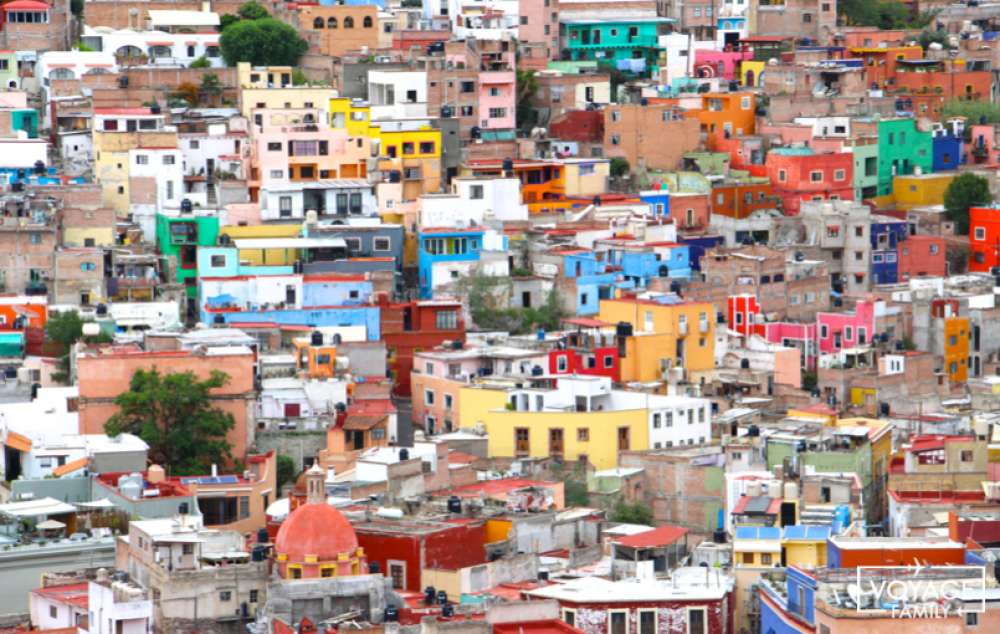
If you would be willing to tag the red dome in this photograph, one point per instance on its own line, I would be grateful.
(315, 529)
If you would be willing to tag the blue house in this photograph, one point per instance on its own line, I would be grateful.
(790, 607)
(658, 201)
(439, 248)
(642, 262)
(593, 282)
(947, 151)
(886, 234)
(697, 245)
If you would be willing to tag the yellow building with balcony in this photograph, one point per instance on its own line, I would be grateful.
(665, 335)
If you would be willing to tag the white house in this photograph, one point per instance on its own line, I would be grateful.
(160, 48)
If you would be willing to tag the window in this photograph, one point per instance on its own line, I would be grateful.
(781, 176)
(382, 244)
(428, 397)
(225, 595)
(980, 233)
(274, 147)
(446, 320)
(141, 159)
(697, 623)
(656, 420)
(807, 18)
(647, 621)
(367, 22)
(498, 113)
(562, 365)
(616, 116)
(253, 596)
(348, 22)
(522, 444)
(353, 244)
(476, 192)
(168, 159)
(816, 176)
(244, 507)
(427, 147)
(277, 173)
(53, 612)
(583, 434)
(839, 175)
(618, 622)
(972, 619)
(616, 139)
(609, 361)
(285, 206)
(569, 617)
(966, 455)
(765, 559)
(448, 400)
(397, 572)
(218, 260)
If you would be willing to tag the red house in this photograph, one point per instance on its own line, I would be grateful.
(696, 600)
(407, 326)
(984, 239)
(403, 548)
(921, 256)
(799, 174)
(589, 350)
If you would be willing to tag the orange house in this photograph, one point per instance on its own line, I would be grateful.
(881, 63)
(930, 84)
(316, 361)
(106, 371)
(726, 114)
(543, 183)
(29, 314)
(740, 199)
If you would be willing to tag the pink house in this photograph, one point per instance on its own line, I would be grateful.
(838, 331)
(538, 33)
(982, 149)
(723, 64)
(497, 99)
(795, 335)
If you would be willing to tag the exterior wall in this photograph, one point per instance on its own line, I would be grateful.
(103, 377)
(670, 615)
(920, 190)
(339, 29)
(922, 256)
(800, 176)
(635, 133)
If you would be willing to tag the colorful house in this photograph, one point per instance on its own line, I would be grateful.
(543, 183)
(921, 256)
(800, 174)
(629, 45)
(921, 190)
(984, 239)
(902, 150)
(444, 254)
(886, 235)
(788, 606)
(178, 237)
(848, 329)
(9, 78)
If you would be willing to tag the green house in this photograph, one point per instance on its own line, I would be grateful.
(902, 149)
(179, 238)
(631, 46)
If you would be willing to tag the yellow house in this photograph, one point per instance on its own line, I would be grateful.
(586, 177)
(514, 431)
(111, 161)
(677, 335)
(956, 348)
(262, 257)
(804, 546)
(919, 190)
(411, 150)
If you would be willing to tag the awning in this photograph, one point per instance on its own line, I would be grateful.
(70, 467)
(50, 525)
(36, 508)
(17, 442)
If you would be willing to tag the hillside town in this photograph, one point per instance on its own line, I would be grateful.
(499, 317)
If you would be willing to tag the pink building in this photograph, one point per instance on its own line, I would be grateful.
(538, 33)
(723, 64)
(743, 312)
(983, 147)
(838, 331)
(298, 145)
(497, 99)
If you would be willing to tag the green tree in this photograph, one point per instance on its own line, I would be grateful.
(173, 415)
(527, 86)
(76, 7)
(286, 470)
(252, 11)
(974, 111)
(634, 513)
(211, 87)
(227, 20)
(66, 328)
(967, 190)
(299, 78)
(264, 42)
(201, 62)
(619, 167)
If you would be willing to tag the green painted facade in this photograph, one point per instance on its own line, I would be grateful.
(25, 119)
(609, 42)
(901, 150)
(865, 171)
(179, 238)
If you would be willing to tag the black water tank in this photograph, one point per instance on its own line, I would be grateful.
(186, 206)
(508, 166)
(404, 454)
(753, 431)
(447, 609)
(623, 329)
(316, 338)
(537, 371)
(374, 568)
(219, 319)
(102, 310)
(225, 240)
(39, 168)
(543, 575)
(395, 176)
(454, 504)
(298, 267)
(745, 364)
(390, 614)
(182, 508)
(883, 409)
(719, 536)
(457, 344)
(262, 536)
(337, 339)
(430, 595)
(258, 553)
(340, 407)
(442, 597)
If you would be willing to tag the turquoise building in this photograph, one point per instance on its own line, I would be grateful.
(25, 119)
(631, 46)
(902, 149)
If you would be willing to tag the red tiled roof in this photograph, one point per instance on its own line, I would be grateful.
(927, 443)
(73, 594)
(662, 536)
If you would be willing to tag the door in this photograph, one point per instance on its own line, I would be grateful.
(522, 445)
(526, 299)
(293, 410)
(290, 295)
(556, 443)
(397, 572)
(623, 439)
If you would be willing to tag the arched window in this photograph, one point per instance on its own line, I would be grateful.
(367, 23)
(318, 23)
(348, 22)
(331, 23)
